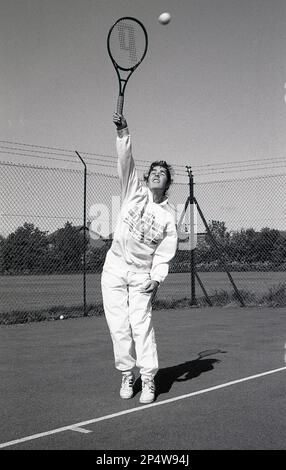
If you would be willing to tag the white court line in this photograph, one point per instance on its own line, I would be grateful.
(78, 429)
(72, 427)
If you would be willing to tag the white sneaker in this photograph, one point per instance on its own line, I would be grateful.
(126, 390)
(148, 390)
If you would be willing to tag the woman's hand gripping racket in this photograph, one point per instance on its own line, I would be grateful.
(127, 44)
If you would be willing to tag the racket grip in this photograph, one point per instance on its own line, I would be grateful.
(120, 102)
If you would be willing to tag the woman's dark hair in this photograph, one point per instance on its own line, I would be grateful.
(168, 168)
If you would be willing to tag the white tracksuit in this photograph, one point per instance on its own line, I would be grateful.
(145, 240)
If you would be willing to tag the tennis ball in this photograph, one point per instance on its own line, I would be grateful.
(61, 317)
(164, 18)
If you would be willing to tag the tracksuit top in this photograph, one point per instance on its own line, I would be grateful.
(145, 237)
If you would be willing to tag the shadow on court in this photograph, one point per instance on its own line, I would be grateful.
(188, 370)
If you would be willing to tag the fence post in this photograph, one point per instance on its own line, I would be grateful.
(218, 250)
(84, 237)
(193, 254)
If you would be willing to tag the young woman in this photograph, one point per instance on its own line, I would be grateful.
(145, 240)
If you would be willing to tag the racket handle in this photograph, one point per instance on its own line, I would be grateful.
(120, 102)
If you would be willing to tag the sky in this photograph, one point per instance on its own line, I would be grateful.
(211, 88)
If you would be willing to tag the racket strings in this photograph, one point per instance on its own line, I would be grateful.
(130, 46)
(127, 43)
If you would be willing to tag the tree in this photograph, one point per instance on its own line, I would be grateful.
(66, 249)
(2, 243)
(278, 253)
(25, 250)
(218, 231)
(266, 240)
(216, 243)
(243, 245)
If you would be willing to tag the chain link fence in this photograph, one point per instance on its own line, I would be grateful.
(247, 237)
(50, 263)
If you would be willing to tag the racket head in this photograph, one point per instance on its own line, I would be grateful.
(127, 43)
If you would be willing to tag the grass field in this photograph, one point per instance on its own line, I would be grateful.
(38, 292)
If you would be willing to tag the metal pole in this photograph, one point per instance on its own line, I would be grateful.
(218, 250)
(193, 256)
(204, 290)
(84, 237)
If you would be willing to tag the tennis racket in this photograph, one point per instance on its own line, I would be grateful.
(127, 44)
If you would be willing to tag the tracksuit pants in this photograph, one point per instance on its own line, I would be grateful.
(128, 314)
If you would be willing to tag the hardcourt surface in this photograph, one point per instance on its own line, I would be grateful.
(59, 374)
